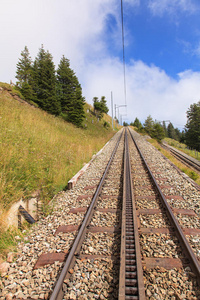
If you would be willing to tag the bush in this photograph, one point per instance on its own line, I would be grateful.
(106, 125)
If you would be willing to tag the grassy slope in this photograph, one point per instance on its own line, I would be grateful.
(183, 147)
(41, 152)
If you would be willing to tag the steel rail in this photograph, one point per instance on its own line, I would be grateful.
(131, 282)
(182, 239)
(183, 158)
(57, 293)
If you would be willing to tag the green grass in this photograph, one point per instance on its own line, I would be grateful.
(11, 89)
(183, 147)
(10, 238)
(41, 152)
(176, 162)
(8, 241)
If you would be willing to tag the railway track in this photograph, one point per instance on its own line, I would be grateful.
(163, 241)
(184, 158)
(59, 290)
(115, 240)
(131, 284)
(131, 275)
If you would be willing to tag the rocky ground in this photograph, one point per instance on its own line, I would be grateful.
(18, 279)
(98, 278)
(161, 283)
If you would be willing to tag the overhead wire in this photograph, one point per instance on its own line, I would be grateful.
(124, 65)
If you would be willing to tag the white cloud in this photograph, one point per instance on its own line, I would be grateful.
(77, 29)
(150, 91)
(72, 28)
(189, 48)
(197, 50)
(159, 7)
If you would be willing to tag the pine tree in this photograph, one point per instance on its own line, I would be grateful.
(76, 114)
(148, 125)
(44, 82)
(100, 107)
(165, 128)
(24, 73)
(158, 132)
(104, 108)
(192, 135)
(24, 67)
(171, 131)
(95, 101)
(70, 93)
(65, 79)
(137, 123)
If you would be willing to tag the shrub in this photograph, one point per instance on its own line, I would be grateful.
(106, 125)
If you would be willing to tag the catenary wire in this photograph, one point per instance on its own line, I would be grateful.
(124, 66)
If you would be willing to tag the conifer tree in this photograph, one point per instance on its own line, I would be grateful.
(158, 132)
(165, 128)
(148, 125)
(192, 135)
(95, 101)
(70, 93)
(100, 107)
(171, 131)
(76, 114)
(44, 82)
(24, 73)
(104, 108)
(137, 123)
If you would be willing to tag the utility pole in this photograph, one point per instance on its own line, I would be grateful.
(122, 118)
(118, 106)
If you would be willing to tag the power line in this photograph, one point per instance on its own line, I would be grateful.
(122, 19)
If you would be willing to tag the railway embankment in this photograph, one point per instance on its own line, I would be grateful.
(95, 275)
(39, 154)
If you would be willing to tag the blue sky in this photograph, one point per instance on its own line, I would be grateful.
(168, 38)
(162, 50)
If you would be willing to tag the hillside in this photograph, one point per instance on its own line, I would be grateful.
(40, 152)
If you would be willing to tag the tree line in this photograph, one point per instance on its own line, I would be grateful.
(56, 91)
(158, 130)
(153, 128)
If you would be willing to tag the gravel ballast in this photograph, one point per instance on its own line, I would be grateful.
(97, 278)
